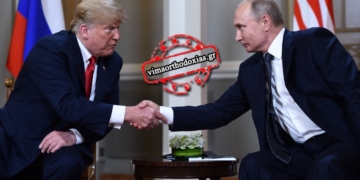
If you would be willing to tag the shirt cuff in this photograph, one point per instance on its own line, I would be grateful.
(168, 113)
(117, 116)
(79, 137)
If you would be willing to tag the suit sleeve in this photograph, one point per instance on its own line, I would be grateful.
(339, 70)
(89, 135)
(47, 68)
(228, 107)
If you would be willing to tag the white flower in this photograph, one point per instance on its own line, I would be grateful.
(190, 141)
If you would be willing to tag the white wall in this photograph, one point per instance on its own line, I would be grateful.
(139, 36)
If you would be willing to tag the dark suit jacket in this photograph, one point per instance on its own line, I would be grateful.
(49, 95)
(319, 74)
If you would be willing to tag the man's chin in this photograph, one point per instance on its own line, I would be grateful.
(249, 50)
(108, 53)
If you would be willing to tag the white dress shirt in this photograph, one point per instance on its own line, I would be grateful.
(295, 122)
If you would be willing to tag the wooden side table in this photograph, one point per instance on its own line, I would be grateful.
(163, 168)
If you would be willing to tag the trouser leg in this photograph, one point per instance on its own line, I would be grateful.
(66, 163)
(263, 165)
(338, 162)
(321, 158)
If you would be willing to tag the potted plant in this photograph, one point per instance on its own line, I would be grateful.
(188, 145)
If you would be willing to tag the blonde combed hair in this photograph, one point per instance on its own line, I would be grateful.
(91, 12)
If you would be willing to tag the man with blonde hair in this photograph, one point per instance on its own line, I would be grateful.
(66, 97)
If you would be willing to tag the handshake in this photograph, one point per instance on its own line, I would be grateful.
(145, 115)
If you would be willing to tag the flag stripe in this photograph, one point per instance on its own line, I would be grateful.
(313, 13)
(53, 16)
(23, 7)
(298, 16)
(330, 8)
(315, 6)
(36, 26)
(308, 14)
(29, 26)
(16, 51)
(328, 15)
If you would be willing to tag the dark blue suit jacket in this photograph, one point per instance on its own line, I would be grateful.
(320, 75)
(49, 95)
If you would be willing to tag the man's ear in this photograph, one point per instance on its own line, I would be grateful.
(84, 31)
(266, 20)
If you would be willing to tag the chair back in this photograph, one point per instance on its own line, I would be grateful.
(89, 172)
(9, 86)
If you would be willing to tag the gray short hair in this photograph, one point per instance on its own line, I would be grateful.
(97, 11)
(269, 7)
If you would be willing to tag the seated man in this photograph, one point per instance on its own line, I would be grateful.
(68, 85)
(304, 92)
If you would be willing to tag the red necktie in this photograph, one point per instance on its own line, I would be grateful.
(89, 76)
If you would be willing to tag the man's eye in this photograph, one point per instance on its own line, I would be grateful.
(109, 28)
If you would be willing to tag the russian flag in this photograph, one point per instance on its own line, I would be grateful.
(313, 13)
(33, 20)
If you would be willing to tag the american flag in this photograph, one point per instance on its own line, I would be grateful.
(313, 13)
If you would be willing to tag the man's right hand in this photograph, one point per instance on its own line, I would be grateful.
(158, 115)
(145, 115)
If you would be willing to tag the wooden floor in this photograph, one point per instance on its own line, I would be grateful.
(131, 177)
(119, 176)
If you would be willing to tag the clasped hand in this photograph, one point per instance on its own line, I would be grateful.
(56, 140)
(145, 115)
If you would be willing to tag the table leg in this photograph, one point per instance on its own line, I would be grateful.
(138, 177)
(215, 178)
(202, 178)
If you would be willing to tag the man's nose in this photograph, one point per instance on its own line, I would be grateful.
(116, 36)
(238, 36)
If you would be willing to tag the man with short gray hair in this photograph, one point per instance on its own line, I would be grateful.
(303, 89)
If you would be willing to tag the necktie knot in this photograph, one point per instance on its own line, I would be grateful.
(268, 57)
(92, 61)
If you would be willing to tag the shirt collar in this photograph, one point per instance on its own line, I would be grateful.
(276, 46)
(84, 52)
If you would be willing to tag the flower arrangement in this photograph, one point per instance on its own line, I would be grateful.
(189, 141)
(189, 145)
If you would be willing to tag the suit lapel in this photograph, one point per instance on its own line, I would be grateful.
(258, 94)
(287, 58)
(100, 80)
(78, 61)
(258, 80)
(287, 52)
(79, 65)
(256, 85)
